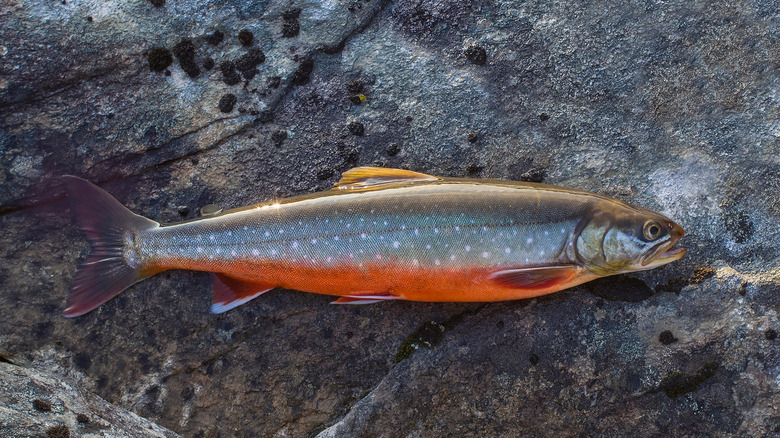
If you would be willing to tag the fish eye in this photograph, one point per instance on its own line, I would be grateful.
(651, 230)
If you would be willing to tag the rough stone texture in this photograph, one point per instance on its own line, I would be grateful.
(669, 105)
(34, 402)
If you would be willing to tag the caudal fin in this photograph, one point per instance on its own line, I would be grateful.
(107, 225)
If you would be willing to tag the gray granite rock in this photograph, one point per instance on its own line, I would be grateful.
(669, 105)
(35, 401)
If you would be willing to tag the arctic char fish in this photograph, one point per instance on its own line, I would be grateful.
(380, 234)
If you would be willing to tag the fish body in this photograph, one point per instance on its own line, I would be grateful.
(380, 234)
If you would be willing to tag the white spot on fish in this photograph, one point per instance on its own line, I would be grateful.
(415, 262)
(416, 232)
(436, 231)
(273, 252)
(529, 240)
(267, 234)
(211, 237)
(403, 227)
(457, 228)
(484, 228)
(330, 259)
(385, 222)
(563, 231)
(541, 253)
(351, 256)
(295, 245)
(427, 246)
(452, 257)
(507, 250)
(485, 255)
(335, 237)
(437, 262)
(219, 251)
(526, 260)
(245, 228)
(255, 252)
(378, 256)
(230, 233)
(200, 249)
(546, 233)
(233, 253)
(396, 244)
(363, 235)
(313, 241)
(281, 231)
(468, 248)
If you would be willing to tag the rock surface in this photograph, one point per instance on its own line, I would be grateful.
(669, 105)
(37, 403)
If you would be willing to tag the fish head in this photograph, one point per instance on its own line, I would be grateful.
(617, 238)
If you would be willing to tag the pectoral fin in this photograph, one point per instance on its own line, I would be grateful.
(535, 278)
(365, 299)
(368, 178)
(229, 292)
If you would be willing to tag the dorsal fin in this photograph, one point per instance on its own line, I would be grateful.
(368, 178)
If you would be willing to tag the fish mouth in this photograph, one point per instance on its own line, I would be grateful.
(664, 252)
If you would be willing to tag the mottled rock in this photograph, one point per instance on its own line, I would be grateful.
(670, 105)
(37, 402)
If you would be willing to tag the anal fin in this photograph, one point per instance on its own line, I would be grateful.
(365, 299)
(535, 278)
(229, 292)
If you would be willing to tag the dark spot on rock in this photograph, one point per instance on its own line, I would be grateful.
(278, 137)
(291, 13)
(227, 102)
(427, 335)
(58, 431)
(336, 48)
(674, 284)
(324, 174)
(41, 405)
(620, 288)
(392, 149)
(702, 273)
(743, 288)
(474, 169)
(355, 99)
(770, 334)
(247, 64)
(500, 325)
(82, 361)
(600, 303)
(472, 137)
(351, 156)
(476, 55)
(157, 3)
(110, 115)
(526, 170)
(229, 74)
(245, 37)
(739, 225)
(185, 53)
(544, 117)
(159, 59)
(265, 116)
(89, 19)
(208, 63)
(183, 210)
(274, 82)
(290, 28)
(187, 393)
(355, 86)
(303, 72)
(167, 73)
(534, 359)
(408, 118)
(666, 337)
(82, 418)
(215, 38)
(356, 128)
(677, 384)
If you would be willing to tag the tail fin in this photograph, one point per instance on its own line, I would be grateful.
(107, 225)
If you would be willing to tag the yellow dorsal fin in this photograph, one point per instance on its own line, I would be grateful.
(368, 178)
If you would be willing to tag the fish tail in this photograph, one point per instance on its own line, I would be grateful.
(108, 226)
